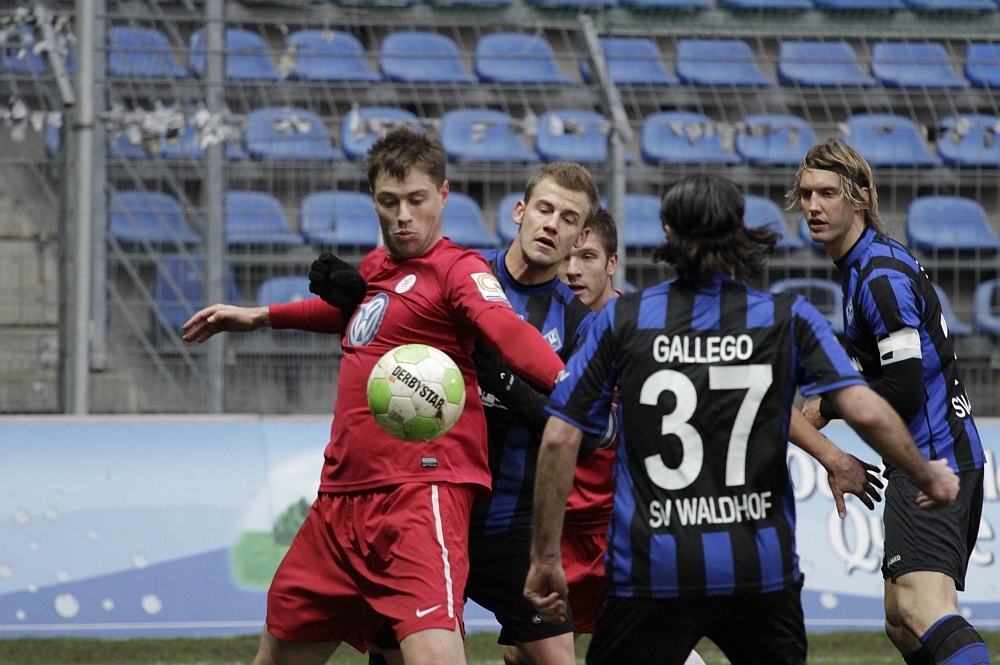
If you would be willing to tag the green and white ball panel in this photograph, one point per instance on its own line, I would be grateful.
(416, 392)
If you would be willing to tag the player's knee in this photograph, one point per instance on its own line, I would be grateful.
(513, 656)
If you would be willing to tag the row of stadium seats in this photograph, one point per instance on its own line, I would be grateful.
(178, 294)
(337, 218)
(837, 5)
(670, 137)
(426, 57)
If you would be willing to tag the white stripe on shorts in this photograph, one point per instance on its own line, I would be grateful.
(444, 550)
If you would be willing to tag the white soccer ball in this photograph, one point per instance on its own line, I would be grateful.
(416, 392)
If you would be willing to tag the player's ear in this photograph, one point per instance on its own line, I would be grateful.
(518, 212)
(612, 264)
(443, 191)
(669, 231)
(581, 240)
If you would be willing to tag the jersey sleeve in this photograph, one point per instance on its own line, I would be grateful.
(822, 364)
(313, 315)
(473, 288)
(888, 303)
(583, 395)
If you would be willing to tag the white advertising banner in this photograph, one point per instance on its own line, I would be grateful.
(156, 526)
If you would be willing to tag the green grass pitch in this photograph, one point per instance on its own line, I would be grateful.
(862, 648)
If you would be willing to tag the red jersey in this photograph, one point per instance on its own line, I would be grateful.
(433, 299)
(588, 508)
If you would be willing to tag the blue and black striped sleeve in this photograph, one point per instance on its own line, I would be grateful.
(822, 364)
(890, 305)
(582, 397)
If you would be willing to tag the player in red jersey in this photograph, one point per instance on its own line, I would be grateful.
(386, 541)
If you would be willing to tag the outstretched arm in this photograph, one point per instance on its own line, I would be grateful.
(847, 474)
(224, 318)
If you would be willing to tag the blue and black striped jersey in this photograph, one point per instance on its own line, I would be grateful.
(892, 313)
(703, 504)
(563, 319)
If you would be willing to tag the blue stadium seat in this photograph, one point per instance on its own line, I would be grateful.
(950, 223)
(572, 4)
(514, 57)
(256, 218)
(343, 219)
(675, 137)
(247, 56)
(53, 138)
(765, 4)
(575, 136)
(186, 146)
(472, 3)
(422, 57)
(666, 4)
(363, 126)
(275, 133)
(120, 146)
(631, 61)
(970, 140)
(23, 60)
(642, 226)
(982, 65)
(986, 307)
(483, 135)
(888, 140)
(139, 217)
(718, 62)
(506, 226)
(806, 237)
(282, 290)
(914, 65)
(823, 294)
(825, 64)
(177, 291)
(780, 140)
(328, 55)
(861, 5)
(952, 5)
(955, 326)
(463, 222)
(761, 212)
(142, 52)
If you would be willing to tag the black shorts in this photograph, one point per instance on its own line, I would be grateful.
(751, 629)
(498, 567)
(933, 540)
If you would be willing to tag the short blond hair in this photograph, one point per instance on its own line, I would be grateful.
(855, 174)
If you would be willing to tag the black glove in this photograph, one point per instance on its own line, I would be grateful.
(517, 395)
(337, 283)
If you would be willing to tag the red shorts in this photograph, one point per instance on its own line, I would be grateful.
(396, 556)
(583, 561)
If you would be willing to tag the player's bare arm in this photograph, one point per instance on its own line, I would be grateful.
(546, 584)
(882, 428)
(810, 409)
(225, 318)
(847, 474)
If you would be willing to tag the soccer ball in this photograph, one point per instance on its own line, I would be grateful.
(416, 392)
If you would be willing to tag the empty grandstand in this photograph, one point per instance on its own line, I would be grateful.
(227, 144)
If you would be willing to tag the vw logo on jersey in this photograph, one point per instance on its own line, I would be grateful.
(554, 340)
(367, 320)
(406, 283)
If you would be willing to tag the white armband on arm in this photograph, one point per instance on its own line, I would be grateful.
(900, 345)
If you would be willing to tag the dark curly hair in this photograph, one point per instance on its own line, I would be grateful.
(705, 215)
